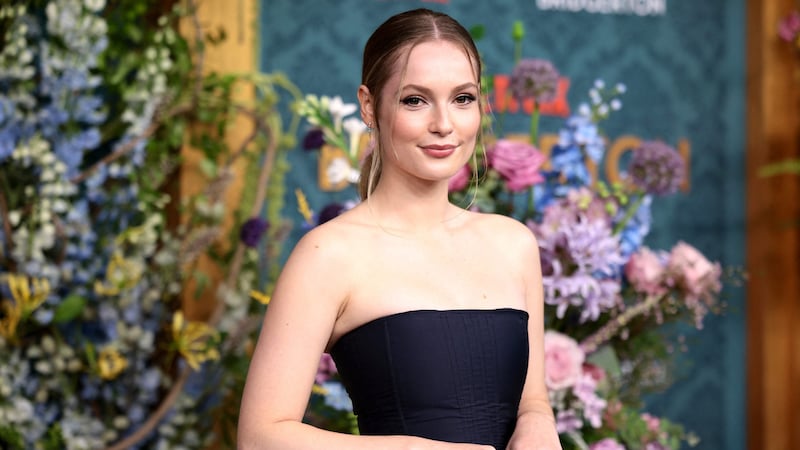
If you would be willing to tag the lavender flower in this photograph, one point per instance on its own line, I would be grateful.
(534, 78)
(657, 168)
(567, 421)
(252, 230)
(581, 260)
(607, 444)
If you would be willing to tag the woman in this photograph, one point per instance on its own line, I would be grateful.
(432, 313)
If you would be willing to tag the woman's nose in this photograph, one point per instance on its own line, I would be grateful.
(441, 122)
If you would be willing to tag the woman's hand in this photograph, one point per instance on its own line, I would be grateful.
(427, 444)
(534, 432)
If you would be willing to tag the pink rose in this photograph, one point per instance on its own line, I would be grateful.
(653, 423)
(607, 444)
(326, 369)
(517, 162)
(645, 271)
(693, 271)
(563, 360)
(460, 180)
(789, 26)
(596, 372)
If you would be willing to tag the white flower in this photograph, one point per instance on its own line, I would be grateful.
(339, 170)
(94, 5)
(353, 175)
(14, 217)
(339, 109)
(355, 128)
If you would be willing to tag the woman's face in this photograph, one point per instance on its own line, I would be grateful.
(430, 114)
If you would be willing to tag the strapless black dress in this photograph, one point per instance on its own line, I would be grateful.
(454, 375)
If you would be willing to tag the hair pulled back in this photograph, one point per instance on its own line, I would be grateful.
(382, 53)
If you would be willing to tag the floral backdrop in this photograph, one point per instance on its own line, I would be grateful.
(613, 305)
(97, 246)
(98, 249)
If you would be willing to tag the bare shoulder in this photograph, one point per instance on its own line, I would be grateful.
(504, 230)
(326, 246)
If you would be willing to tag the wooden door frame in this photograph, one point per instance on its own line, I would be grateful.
(773, 232)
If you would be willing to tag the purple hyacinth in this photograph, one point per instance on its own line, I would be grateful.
(252, 230)
(581, 258)
(657, 168)
(314, 139)
(534, 78)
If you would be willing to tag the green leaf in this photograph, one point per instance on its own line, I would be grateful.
(70, 308)
(208, 167)
(606, 358)
(477, 32)
(787, 167)
(11, 438)
(202, 282)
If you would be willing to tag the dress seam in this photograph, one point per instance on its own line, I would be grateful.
(392, 377)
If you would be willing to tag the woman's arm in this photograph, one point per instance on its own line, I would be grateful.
(535, 422)
(307, 300)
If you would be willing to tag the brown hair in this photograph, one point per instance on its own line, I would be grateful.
(395, 37)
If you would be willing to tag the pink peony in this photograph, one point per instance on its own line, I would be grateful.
(517, 162)
(645, 271)
(696, 277)
(693, 271)
(460, 180)
(326, 369)
(607, 444)
(563, 360)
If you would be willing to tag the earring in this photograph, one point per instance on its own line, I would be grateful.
(369, 127)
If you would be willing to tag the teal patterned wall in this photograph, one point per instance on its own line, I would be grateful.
(683, 64)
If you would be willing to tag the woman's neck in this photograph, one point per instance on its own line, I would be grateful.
(419, 208)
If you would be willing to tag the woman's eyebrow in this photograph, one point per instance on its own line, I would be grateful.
(425, 90)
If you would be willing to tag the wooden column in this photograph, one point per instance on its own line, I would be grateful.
(773, 232)
(236, 54)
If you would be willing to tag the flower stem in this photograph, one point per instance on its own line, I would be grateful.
(613, 326)
(535, 124)
(629, 214)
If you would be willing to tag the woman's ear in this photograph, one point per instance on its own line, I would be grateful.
(367, 106)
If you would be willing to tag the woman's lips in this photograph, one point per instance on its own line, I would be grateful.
(439, 151)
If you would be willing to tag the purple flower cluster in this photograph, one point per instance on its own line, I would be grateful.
(314, 139)
(581, 260)
(534, 78)
(657, 168)
(252, 230)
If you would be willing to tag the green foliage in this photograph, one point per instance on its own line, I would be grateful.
(11, 439)
(99, 349)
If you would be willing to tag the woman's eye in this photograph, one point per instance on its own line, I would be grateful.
(411, 101)
(465, 99)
